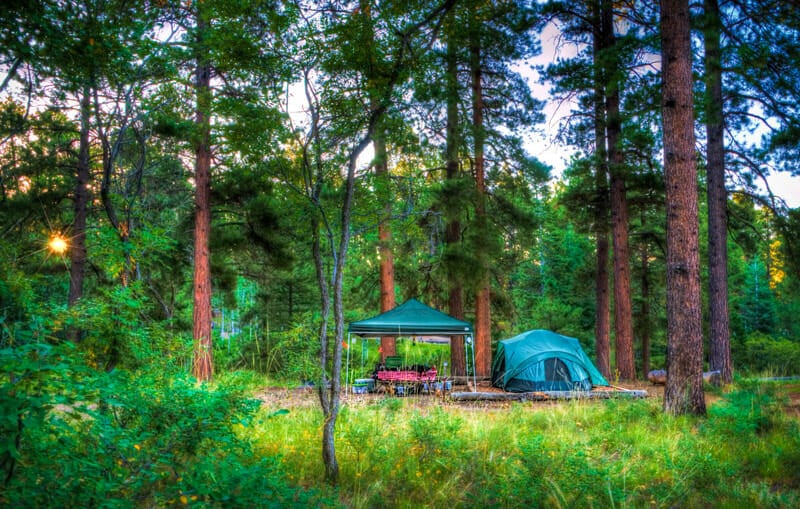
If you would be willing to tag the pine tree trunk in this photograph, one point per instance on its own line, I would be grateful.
(623, 310)
(683, 393)
(388, 343)
(720, 347)
(203, 366)
(602, 313)
(381, 167)
(602, 302)
(458, 352)
(78, 238)
(644, 318)
(458, 363)
(483, 339)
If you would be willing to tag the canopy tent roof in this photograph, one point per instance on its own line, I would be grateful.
(412, 318)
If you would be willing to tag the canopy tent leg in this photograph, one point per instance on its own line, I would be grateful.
(470, 348)
(347, 368)
(364, 354)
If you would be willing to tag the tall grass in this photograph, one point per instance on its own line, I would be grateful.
(398, 453)
(72, 436)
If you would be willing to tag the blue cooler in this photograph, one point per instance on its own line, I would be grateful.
(363, 385)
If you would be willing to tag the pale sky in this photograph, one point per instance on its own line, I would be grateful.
(548, 151)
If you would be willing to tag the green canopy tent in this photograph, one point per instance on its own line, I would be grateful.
(541, 360)
(412, 318)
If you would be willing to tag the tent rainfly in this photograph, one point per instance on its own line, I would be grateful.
(541, 360)
(412, 318)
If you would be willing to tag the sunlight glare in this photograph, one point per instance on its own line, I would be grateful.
(57, 244)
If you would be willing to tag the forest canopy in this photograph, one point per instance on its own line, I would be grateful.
(204, 187)
(100, 132)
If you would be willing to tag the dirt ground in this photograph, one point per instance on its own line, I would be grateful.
(276, 398)
(793, 406)
(281, 397)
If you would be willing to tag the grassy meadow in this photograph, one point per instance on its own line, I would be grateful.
(71, 436)
(405, 453)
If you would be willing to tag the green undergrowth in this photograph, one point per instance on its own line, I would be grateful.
(394, 453)
(71, 436)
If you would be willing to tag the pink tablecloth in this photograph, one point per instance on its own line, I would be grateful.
(407, 376)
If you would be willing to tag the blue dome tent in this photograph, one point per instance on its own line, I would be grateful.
(541, 360)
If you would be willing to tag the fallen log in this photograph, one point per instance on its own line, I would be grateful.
(497, 396)
(659, 377)
(545, 395)
(464, 380)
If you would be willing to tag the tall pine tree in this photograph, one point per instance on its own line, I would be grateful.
(684, 388)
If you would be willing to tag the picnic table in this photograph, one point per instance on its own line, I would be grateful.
(404, 379)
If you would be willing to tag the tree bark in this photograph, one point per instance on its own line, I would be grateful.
(602, 302)
(458, 351)
(623, 309)
(388, 343)
(458, 363)
(602, 328)
(203, 366)
(328, 400)
(78, 236)
(331, 351)
(330, 395)
(380, 165)
(683, 393)
(719, 341)
(483, 339)
(644, 318)
(623, 314)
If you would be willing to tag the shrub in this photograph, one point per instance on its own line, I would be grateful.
(765, 353)
(289, 355)
(131, 438)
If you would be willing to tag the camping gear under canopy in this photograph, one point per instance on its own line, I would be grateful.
(541, 360)
(412, 318)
